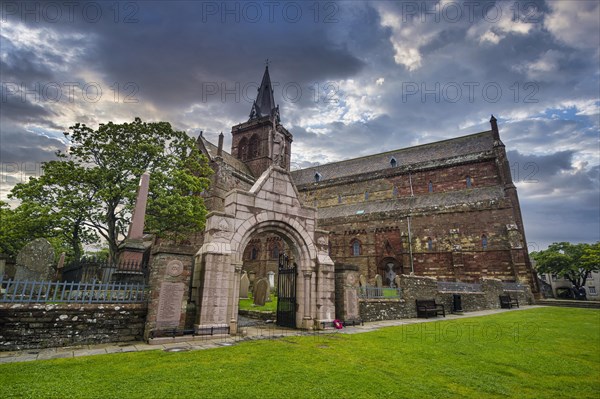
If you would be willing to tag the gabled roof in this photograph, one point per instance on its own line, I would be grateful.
(452, 148)
(236, 164)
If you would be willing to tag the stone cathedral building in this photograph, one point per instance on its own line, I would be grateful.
(447, 209)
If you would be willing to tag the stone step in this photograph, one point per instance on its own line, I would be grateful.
(569, 304)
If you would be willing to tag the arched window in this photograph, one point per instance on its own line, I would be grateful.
(366, 195)
(393, 162)
(356, 248)
(254, 253)
(275, 253)
(242, 149)
(253, 147)
(430, 186)
(484, 242)
(469, 182)
(395, 191)
(339, 199)
(317, 177)
(429, 244)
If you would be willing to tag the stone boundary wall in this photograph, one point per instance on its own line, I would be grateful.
(414, 288)
(36, 326)
(382, 309)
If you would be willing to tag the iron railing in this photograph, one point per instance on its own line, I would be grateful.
(453, 286)
(90, 269)
(510, 286)
(26, 291)
(373, 292)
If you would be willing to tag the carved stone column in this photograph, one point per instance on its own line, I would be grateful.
(234, 298)
(307, 319)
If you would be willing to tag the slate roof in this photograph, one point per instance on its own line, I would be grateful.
(460, 146)
(227, 158)
(414, 204)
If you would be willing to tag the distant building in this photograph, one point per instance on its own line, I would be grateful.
(560, 284)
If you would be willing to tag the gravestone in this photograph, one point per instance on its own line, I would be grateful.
(362, 281)
(252, 279)
(378, 282)
(3, 266)
(35, 261)
(244, 285)
(261, 292)
(397, 281)
(60, 265)
(271, 279)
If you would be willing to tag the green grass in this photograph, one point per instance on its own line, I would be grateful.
(536, 353)
(248, 304)
(390, 292)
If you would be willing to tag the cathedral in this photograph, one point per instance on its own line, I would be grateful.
(447, 209)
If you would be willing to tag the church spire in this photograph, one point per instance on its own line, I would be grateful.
(264, 105)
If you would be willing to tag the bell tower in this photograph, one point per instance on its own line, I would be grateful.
(262, 141)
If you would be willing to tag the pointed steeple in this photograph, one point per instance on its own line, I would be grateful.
(264, 105)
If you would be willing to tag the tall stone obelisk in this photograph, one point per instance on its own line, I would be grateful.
(133, 248)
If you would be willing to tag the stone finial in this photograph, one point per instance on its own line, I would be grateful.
(136, 229)
(494, 124)
(220, 147)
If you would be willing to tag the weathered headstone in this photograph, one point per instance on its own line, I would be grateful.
(3, 265)
(35, 261)
(252, 279)
(261, 291)
(397, 281)
(60, 265)
(378, 282)
(362, 280)
(244, 285)
(271, 278)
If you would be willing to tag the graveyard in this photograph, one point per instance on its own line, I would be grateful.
(534, 353)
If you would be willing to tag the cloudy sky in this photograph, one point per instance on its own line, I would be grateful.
(351, 78)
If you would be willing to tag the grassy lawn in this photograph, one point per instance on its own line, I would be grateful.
(247, 304)
(536, 353)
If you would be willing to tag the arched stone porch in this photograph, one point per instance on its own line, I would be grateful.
(271, 206)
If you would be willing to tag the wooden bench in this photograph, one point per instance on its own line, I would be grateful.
(507, 302)
(428, 307)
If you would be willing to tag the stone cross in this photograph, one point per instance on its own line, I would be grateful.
(136, 229)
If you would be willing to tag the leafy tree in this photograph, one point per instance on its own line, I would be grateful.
(27, 222)
(92, 187)
(64, 198)
(571, 261)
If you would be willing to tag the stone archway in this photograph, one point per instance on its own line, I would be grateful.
(270, 206)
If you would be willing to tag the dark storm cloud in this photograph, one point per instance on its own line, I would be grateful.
(21, 146)
(197, 65)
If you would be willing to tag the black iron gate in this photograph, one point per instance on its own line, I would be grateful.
(286, 293)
